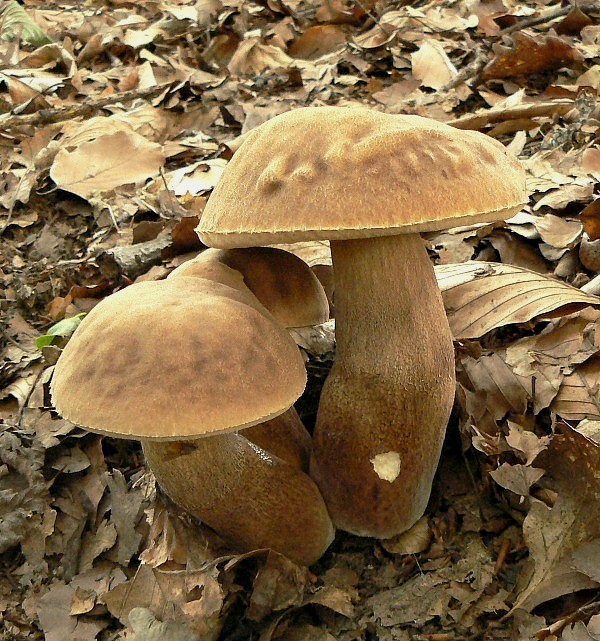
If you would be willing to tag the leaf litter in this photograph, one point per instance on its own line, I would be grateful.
(89, 548)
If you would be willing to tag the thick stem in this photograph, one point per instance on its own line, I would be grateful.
(285, 437)
(385, 405)
(250, 497)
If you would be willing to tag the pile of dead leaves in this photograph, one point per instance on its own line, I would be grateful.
(117, 119)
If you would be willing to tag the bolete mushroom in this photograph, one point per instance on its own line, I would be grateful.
(370, 182)
(183, 365)
(288, 290)
(282, 282)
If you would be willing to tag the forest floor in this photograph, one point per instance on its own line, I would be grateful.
(509, 547)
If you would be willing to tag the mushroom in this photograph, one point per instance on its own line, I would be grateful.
(183, 365)
(370, 182)
(281, 281)
(289, 290)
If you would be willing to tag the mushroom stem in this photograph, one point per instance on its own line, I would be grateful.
(386, 402)
(251, 498)
(285, 437)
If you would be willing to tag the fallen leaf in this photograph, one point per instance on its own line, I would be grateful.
(517, 478)
(578, 397)
(53, 612)
(125, 513)
(318, 41)
(105, 163)
(253, 56)
(559, 232)
(279, 584)
(480, 296)
(147, 627)
(555, 535)
(431, 65)
(530, 55)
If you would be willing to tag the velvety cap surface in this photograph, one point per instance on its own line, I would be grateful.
(175, 359)
(340, 172)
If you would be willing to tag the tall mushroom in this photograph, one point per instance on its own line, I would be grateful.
(182, 365)
(370, 182)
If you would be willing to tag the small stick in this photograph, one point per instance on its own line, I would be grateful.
(502, 554)
(59, 114)
(547, 17)
(530, 110)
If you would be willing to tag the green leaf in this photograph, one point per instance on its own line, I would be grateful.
(63, 328)
(16, 22)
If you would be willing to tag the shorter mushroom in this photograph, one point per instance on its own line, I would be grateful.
(289, 291)
(182, 365)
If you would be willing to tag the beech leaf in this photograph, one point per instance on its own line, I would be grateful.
(559, 538)
(481, 296)
(105, 163)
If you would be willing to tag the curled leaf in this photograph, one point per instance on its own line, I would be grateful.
(481, 296)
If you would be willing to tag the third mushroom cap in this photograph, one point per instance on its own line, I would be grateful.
(370, 182)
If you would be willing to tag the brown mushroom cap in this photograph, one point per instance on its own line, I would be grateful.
(281, 281)
(176, 359)
(339, 173)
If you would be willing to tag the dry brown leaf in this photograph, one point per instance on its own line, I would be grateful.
(557, 537)
(108, 162)
(514, 250)
(559, 232)
(318, 41)
(578, 397)
(393, 97)
(312, 252)
(526, 444)
(279, 584)
(140, 591)
(194, 179)
(481, 296)
(92, 545)
(146, 627)
(253, 56)
(318, 339)
(54, 614)
(530, 55)
(125, 513)
(431, 65)
(517, 478)
(337, 599)
(493, 387)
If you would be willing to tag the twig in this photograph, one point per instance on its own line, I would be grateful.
(503, 552)
(374, 19)
(472, 70)
(531, 110)
(59, 114)
(547, 17)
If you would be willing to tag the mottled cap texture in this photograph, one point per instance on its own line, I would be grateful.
(282, 282)
(345, 172)
(176, 359)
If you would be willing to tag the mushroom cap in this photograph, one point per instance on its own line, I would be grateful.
(282, 282)
(346, 172)
(176, 359)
